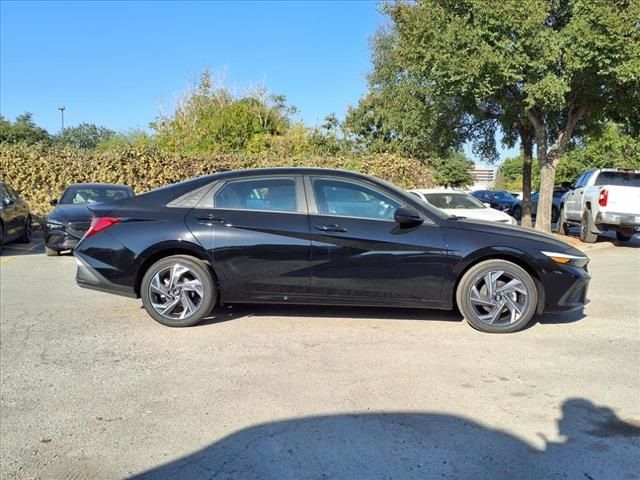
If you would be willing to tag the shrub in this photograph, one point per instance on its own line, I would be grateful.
(40, 172)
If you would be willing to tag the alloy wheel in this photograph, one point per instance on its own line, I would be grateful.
(498, 298)
(176, 292)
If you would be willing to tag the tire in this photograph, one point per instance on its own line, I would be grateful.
(495, 312)
(28, 231)
(160, 287)
(586, 227)
(51, 252)
(517, 212)
(562, 226)
(554, 214)
(623, 237)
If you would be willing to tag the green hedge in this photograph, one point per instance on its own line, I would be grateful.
(41, 172)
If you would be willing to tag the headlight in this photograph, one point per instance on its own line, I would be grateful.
(567, 259)
(52, 225)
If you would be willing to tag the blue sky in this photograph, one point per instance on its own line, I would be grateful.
(118, 64)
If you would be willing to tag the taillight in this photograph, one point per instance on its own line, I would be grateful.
(603, 198)
(101, 223)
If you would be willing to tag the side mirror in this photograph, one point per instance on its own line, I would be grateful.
(53, 202)
(407, 217)
(567, 185)
(486, 204)
(7, 201)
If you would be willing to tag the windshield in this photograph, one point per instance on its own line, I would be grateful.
(619, 179)
(95, 194)
(500, 195)
(453, 200)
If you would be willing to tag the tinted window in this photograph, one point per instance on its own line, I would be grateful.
(620, 179)
(270, 194)
(499, 195)
(349, 199)
(453, 200)
(91, 195)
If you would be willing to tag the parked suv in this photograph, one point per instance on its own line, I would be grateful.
(603, 199)
(15, 218)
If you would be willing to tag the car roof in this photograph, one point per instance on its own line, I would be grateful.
(98, 184)
(437, 190)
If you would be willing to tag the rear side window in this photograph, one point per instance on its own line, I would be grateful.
(268, 194)
(620, 179)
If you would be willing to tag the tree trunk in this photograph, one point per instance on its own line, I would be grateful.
(545, 196)
(527, 154)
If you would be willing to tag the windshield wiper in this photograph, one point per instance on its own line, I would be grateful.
(455, 217)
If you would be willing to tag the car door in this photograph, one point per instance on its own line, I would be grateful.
(360, 255)
(573, 204)
(257, 231)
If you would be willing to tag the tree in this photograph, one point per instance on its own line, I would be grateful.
(86, 136)
(453, 171)
(554, 69)
(23, 130)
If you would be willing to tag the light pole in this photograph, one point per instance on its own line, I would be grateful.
(62, 117)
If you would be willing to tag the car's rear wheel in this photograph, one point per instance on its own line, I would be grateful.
(586, 227)
(624, 235)
(554, 214)
(497, 296)
(178, 291)
(28, 231)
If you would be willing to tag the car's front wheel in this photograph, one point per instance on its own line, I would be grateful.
(561, 225)
(27, 231)
(178, 291)
(517, 212)
(624, 235)
(497, 296)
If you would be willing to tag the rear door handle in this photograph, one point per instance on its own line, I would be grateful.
(331, 228)
(211, 218)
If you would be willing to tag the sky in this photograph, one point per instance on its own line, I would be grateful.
(119, 64)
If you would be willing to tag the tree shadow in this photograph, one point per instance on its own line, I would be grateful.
(597, 445)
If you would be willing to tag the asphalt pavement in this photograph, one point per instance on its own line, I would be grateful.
(93, 388)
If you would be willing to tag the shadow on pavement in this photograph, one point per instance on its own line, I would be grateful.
(597, 445)
(233, 312)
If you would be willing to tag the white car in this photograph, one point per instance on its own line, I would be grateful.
(462, 205)
(603, 199)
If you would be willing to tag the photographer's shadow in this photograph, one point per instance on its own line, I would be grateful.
(384, 445)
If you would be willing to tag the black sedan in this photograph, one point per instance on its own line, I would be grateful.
(319, 236)
(500, 200)
(70, 219)
(15, 217)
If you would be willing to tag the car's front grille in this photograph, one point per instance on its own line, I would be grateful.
(77, 229)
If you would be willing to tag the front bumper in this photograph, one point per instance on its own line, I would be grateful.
(566, 288)
(618, 219)
(64, 236)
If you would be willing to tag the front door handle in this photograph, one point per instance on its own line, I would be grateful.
(331, 228)
(211, 218)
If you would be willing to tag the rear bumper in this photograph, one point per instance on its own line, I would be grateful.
(91, 278)
(618, 219)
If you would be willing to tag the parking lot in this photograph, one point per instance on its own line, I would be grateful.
(92, 388)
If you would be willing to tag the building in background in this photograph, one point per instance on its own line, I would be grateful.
(483, 178)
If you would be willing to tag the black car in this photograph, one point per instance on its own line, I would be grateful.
(70, 219)
(500, 200)
(320, 236)
(15, 217)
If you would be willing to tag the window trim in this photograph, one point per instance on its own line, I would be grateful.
(313, 205)
(208, 202)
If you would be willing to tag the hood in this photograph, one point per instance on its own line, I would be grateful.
(490, 214)
(70, 213)
(550, 241)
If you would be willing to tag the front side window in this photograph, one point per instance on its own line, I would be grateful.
(269, 194)
(350, 199)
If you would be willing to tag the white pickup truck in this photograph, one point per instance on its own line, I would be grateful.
(603, 199)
